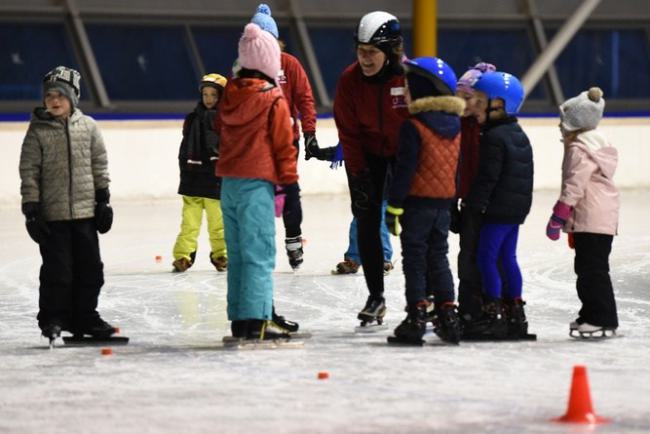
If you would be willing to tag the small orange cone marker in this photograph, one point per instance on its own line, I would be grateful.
(580, 409)
(107, 351)
(158, 258)
(323, 375)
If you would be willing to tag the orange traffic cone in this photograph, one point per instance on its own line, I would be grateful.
(580, 409)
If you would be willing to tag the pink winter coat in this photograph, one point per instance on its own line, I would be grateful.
(588, 184)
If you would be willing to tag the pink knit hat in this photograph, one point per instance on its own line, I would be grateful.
(260, 51)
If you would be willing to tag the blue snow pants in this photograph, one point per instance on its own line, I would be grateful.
(248, 208)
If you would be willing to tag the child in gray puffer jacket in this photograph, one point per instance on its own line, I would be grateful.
(65, 199)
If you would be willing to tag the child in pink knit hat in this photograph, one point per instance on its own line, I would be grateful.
(256, 153)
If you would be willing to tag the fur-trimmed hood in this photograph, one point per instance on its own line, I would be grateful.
(448, 104)
(440, 113)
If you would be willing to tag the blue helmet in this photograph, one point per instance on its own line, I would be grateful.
(502, 85)
(435, 70)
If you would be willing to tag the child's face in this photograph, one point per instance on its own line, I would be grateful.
(470, 102)
(57, 105)
(480, 105)
(209, 97)
(371, 59)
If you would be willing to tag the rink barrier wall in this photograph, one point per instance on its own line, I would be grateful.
(143, 156)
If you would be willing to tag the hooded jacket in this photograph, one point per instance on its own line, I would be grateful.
(368, 115)
(588, 184)
(62, 164)
(427, 158)
(256, 136)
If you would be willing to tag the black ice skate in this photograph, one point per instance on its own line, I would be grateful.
(95, 331)
(492, 325)
(411, 330)
(51, 331)
(585, 330)
(294, 251)
(281, 324)
(517, 322)
(446, 323)
(373, 312)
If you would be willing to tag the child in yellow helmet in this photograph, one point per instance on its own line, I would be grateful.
(199, 186)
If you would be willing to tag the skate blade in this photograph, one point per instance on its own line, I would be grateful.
(394, 340)
(233, 343)
(95, 341)
(598, 335)
(370, 328)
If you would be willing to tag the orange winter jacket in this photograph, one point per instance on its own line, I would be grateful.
(256, 134)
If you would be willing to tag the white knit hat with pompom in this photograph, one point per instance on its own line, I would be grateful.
(583, 112)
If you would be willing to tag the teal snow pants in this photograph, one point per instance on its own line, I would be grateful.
(248, 207)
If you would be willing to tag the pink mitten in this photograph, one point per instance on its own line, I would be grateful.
(279, 201)
(561, 213)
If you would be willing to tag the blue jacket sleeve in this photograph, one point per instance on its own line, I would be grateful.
(408, 153)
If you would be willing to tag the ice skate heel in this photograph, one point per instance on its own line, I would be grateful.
(373, 312)
(446, 323)
(294, 251)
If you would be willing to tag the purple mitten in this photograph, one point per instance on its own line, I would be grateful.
(279, 200)
(561, 213)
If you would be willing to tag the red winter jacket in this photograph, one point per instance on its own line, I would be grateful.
(470, 138)
(256, 138)
(368, 116)
(297, 90)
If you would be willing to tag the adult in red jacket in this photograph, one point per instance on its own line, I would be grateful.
(297, 91)
(369, 108)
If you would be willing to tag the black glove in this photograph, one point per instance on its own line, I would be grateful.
(36, 227)
(362, 191)
(311, 146)
(454, 218)
(103, 211)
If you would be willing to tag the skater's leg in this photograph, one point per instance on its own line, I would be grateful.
(229, 199)
(88, 271)
(509, 264)
(594, 284)
(385, 236)
(215, 228)
(186, 241)
(416, 226)
(292, 211)
(470, 293)
(439, 278)
(353, 239)
(55, 290)
(255, 211)
(489, 246)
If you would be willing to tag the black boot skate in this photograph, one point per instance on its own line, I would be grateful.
(294, 251)
(52, 330)
(258, 330)
(492, 325)
(281, 324)
(373, 311)
(95, 327)
(446, 323)
(517, 322)
(411, 330)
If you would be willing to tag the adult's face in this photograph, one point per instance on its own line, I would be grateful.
(371, 59)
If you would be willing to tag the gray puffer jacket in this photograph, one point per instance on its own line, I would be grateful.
(62, 164)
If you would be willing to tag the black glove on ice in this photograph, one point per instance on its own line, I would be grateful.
(36, 227)
(103, 211)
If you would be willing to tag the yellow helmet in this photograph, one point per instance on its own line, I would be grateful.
(214, 80)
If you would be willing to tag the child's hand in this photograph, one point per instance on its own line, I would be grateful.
(392, 219)
(36, 227)
(561, 213)
(103, 211)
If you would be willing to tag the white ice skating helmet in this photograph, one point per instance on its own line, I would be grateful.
(380, 29)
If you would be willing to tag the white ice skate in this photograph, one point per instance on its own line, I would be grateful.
(590, 331)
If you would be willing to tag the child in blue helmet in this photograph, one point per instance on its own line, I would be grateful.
(423, 187)
(502, 193)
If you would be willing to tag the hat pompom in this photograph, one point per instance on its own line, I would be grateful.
(252, 31)
(595, 94)
(263, 8)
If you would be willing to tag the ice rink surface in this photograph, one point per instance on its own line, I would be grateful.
(174, 377)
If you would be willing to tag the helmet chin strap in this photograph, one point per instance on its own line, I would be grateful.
(489, 109)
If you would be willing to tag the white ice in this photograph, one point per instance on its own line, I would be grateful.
(174, 377)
